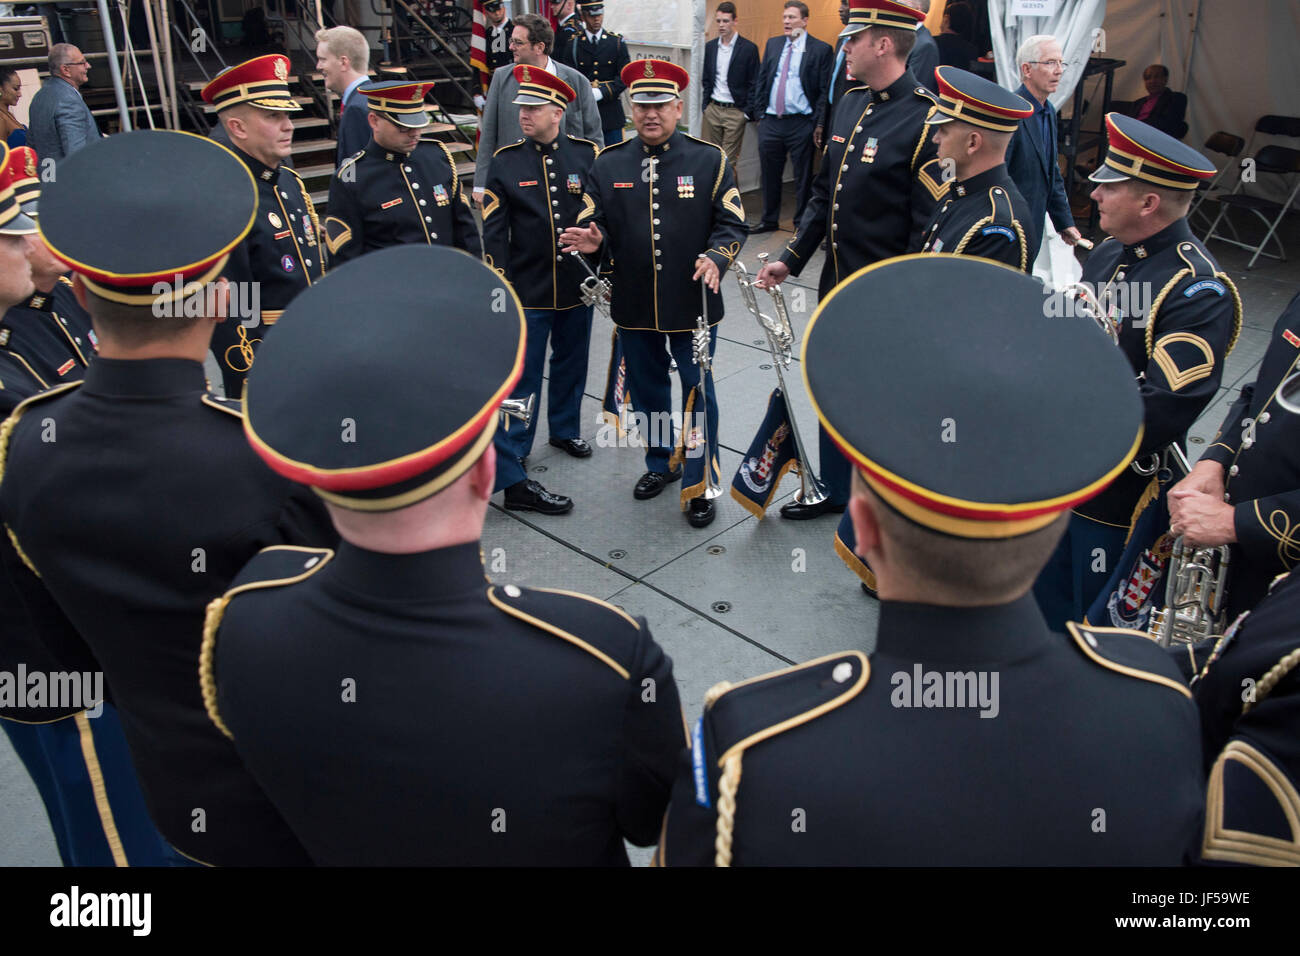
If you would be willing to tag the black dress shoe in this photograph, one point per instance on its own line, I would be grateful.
(529, 495)
(700, 512)
(759, 227)
(798, 511)
(653, 482)
(574, 446)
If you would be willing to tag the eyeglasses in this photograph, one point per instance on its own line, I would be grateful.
(1050, 64)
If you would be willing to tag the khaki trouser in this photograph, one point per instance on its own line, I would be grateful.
(724, 126)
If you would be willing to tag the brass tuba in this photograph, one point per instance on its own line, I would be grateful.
(1196, 587)
(1091, 306)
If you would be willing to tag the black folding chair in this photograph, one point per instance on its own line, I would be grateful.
(1280, 161)
(1230, 146)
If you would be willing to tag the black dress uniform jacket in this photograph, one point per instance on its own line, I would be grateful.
(534, 192)
(1258, 446)
(433, 718)
(602, 62)
(498, 50)
(877, 185)
(1180, 316)
(49, 335)
(282, 254)
(659, 207)
(564, 36)
(379, 198)
(841, 761)
(1248, 693)
(136, 498)
(981, 216)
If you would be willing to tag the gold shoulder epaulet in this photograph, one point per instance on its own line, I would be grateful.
(1108, 647)
(231, 406)
(586, 622)
(501, 149)
(271, 567)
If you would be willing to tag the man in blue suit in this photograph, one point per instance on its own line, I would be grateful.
(343, 58)
(59, 121)
(1031, 157)
(789, 100)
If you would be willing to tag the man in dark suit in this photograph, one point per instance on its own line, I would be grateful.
(343, 58)
(498, 38)
(1161, 107)
(925, 53)
(788, 100)
(1031, 158)
(730, 66)
(839, 82)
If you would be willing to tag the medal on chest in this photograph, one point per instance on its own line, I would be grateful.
(869, 149)
(685, 187)
(440, 194)
(575, 184)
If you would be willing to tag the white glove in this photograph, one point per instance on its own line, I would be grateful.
(479, 100)
(597, 92)
(478, 194)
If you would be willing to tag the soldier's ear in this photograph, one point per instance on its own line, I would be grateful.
(79, 290)
(866, 526)
(483, 475)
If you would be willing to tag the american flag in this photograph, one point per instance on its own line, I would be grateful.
(478, 45)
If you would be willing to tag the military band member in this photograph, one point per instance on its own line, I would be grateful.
(876, 187)
(983, 213)
(566, 25)
(955, 742)
(515, 723)
(1178, 316)
(397, 190)
(282, 254)
(1245, 489)
(666, 208)
(600, 56)
(48, 334)
(498, 35)
(536, 189)
(79, 766)
(132, 571)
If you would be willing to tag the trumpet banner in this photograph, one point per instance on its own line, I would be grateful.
(1137, 585)
(617, 402)
(691, 452)
(771, 454)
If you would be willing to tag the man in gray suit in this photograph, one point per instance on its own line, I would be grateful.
(531, 42)
(59, 121)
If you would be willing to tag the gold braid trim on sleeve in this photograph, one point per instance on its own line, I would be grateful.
(1270, 680)
(207, 680)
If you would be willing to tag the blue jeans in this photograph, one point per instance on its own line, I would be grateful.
(569, 331)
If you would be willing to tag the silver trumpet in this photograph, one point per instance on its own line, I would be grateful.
(1093, 308)
(700, 355)
(1288, 393)
(520, 409)
(594, 290)
(780, 341)
(1196, 587)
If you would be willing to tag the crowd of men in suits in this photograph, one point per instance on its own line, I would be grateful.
(286, 595)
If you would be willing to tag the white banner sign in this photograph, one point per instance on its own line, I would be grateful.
(1033, 8)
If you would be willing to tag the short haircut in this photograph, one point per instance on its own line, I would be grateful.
(60, 55)
(798, 4)
(964, 570)
(539, 31)
(133, 326)
(726, 6)
(347, 42)
(1164, 70)
(903, 39)
(960, 19)
(1032, 49)
(1176, 201)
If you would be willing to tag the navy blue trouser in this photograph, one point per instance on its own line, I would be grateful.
(651, 389)
(613, 136)
(836, 472)
(1075, 574)
(778, 136)
(569, 331)
(83, 772)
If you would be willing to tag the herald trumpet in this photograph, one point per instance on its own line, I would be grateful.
(1093, 309)
(595, 291)
(520, 409)
(700, 355)
(780, 342)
